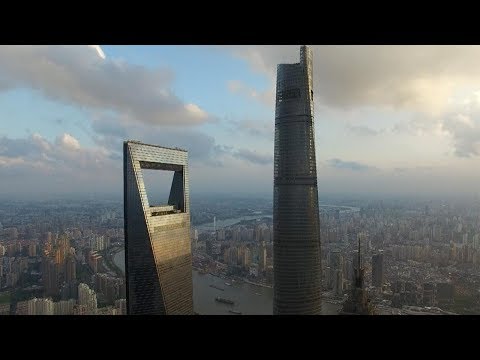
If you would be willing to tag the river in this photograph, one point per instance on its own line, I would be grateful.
(249, 299)
(229, 222)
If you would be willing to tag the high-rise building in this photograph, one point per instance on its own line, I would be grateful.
(32, 250)
(51, 276)
(71, 269)
(445, 293)
(358, 302)
(121, 306)
(64, 307)
(40, 307)
(157, 237)
(94, 261)
(69, 290)
(88, 298)
(194, 239)
(429, 294)
(262, 257)
(246, 257)
(377, 269)
(108, 286)
(335, 259)
(109, 310)
(296, 224)
(81, 310)
(338, 282)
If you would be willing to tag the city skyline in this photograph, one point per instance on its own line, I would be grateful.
(390, 119)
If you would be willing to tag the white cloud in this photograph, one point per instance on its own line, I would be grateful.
(7, 161)
(403, 77)
(84, 77)
(41, 142)
(37, 165)
(195, 111)
(266, 97)
(462, 124)
(68, 142)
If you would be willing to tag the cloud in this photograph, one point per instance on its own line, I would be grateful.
(68, 142)
(253, 157)
(35, 157)
(34, 166)
(109, 132)
(418, 125)
(266, 97)
(416, 170)
(403, 77)
(196, 112)
(83, 76)
(362, 130)
(255, 128)
(465, 133)
(462, 124)
(348, 165)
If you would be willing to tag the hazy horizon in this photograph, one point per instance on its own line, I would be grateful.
(324, 198)
(390, 120)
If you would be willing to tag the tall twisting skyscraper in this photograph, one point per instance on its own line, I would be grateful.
(296, 258)
(157, 237)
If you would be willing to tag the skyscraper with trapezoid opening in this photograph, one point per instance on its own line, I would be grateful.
(297, 280)
(158, 255)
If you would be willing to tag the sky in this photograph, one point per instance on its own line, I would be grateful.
(388, 119)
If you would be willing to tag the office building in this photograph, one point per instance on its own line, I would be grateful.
(64, 307)
(358, 302)
(88, 298)
(296, 227)
(40, 307)
(157, 236)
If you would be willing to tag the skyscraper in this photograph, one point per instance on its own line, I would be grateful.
(358, 302)
(87, 297)
(296, 224)
(157, 237)
(377, 269)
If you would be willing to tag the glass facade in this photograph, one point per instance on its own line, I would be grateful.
(157, 236)
(296, 224)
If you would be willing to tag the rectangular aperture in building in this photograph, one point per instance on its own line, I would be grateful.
(157, 235)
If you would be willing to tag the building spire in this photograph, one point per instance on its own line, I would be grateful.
(359, 258)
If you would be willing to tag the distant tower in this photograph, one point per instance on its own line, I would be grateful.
(214, 224)
(377, 269)
(296, 225)
(358, 302)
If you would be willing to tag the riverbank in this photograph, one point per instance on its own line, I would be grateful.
(257, 284)
(117, 257)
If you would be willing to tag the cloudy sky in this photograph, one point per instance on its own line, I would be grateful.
(389, 119)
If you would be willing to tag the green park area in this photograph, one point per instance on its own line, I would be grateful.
(5, 297)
